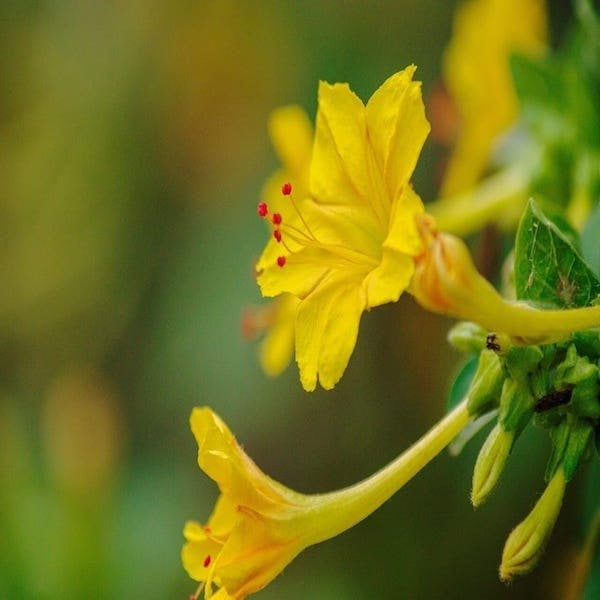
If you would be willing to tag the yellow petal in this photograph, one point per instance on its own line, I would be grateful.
(397, 128)
(254, 555)
(238, 477)
(326, 330)
(278, 346)
(403, 234)
(292, 137)
(300, 275)
(341, 165)
(197, 556)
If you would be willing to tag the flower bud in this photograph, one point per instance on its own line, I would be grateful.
(467, 337)
(527, 541)
(490, 463)
(487, 382)
(516, 405)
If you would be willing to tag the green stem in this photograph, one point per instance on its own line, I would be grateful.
(345, 508)
(500, 197)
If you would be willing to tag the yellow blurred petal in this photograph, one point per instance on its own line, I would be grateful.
(278, 346)
(326, 330)
(397, 128)
(292, 137)
(477, 74)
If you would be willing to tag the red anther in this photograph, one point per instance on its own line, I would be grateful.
(286, 189)
(262, 209)
(277, 235)
(207, 561)
(281, 260)
(276, 219)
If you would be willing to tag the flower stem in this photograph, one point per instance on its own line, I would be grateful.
(345, 508)
(500, 197)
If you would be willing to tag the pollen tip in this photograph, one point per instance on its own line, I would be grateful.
(281, 260)
(277, 234)
(207, 560)
(262, 209)
(276, 219)
(286, 189)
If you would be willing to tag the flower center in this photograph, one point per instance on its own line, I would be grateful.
(288, 234)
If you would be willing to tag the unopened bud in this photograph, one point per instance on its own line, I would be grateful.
(490, 463)
(527, 541)
(516, 405)
(487, 383)
(468, 337)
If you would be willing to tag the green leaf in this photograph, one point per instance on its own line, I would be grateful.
(462, 382)
(549, 270)
(589, 240)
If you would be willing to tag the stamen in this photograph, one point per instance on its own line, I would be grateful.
(277, 235)
(262, 209)
(286, 189)
(207, 561)
(281, 260)
(276, 218)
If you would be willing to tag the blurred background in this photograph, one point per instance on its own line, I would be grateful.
(133, 147)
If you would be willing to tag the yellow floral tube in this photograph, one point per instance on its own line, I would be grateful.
(446, 281)
(259, 526)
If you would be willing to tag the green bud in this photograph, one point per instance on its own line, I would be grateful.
(574, 369)
(467, 337)
(587, 342)
(490, 463)
(527, 541)
(522, 360)
(487, 383)
(516, 405)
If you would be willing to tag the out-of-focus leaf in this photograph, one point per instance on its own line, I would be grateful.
(461, 383)
(589, 240)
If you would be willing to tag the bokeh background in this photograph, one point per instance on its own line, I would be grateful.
(133, 147)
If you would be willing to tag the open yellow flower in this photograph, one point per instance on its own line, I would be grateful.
(477, 74)
(349, 242)
(258, 525)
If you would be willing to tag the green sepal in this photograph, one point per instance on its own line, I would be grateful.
(522, 360)
(588, 342)
(559, 436)
(579, 442)
(516, 405)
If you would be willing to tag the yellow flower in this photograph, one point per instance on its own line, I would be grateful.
(477, 74)
(258, 525)
(349, 242)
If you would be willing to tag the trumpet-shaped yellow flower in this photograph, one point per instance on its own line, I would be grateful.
(477, 74)
(349, 242)
(258, 525)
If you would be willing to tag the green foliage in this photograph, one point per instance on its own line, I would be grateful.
(549, 270)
